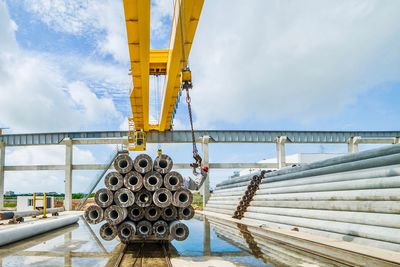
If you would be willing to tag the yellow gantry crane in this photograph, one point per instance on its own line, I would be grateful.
(171, 62)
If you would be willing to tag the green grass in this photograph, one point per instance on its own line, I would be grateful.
(10, 204)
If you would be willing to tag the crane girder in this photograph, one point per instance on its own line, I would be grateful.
(168, 62)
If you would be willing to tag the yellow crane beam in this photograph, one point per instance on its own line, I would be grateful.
(137, 17)
(184, 24)
(168, 62)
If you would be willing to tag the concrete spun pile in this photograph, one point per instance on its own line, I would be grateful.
(143, 200)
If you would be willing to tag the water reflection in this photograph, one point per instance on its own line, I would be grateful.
(209, 239)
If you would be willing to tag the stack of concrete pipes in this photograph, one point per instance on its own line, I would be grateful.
(143, 200)
(355, 198)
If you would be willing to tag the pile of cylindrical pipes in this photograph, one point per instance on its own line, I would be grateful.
(143, 200)
(355, 197)
(231, 196)
(248, 195)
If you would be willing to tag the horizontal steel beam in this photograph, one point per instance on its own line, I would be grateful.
(104, 166)
(118, 137)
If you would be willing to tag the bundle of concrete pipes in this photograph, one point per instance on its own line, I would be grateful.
(143, 200)
(354, 197)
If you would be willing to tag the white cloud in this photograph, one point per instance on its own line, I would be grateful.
(287, 59)
(35, 96)
(161, 14)
(103, 20)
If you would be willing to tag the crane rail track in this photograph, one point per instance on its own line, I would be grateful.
(130, 257)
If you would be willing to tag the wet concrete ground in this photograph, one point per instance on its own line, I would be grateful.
(209, 244)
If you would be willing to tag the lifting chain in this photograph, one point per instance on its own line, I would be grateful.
(196, 155)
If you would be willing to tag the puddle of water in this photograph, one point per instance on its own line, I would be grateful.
(209, 240)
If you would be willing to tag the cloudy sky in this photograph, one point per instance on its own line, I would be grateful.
(292, 65)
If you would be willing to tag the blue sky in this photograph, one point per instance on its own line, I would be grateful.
(315, 65)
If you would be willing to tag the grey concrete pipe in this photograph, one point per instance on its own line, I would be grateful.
(152, 181)
(143, 198)
(144, 229)
(163, 164)
(160, 229)
(178, 230)
(342, 237)
(376, 219)
(136, 213)
(27, 230)
(94, 214)
(6, 215)
(124, 197)
(169, 213)
(152, 213)
(186, 213)
(338, 205)
(123, 163)
(239, 179)
(133, 181)
(162, 198)
(349, 166)
(173, 181)
(377, 183)
(108, 232)
(115, 214)
(368, 154)
(218, 210)
(104, 197)
(367, 231)
(373, 195)
(385, 171)
(182, 198)
(114, 181)
(143, 163)
(126, 230)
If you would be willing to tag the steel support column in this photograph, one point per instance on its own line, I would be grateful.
(206, 185)
(68, 174)
(206, 237)
(2, 162)
(280, 151)
(352, 144)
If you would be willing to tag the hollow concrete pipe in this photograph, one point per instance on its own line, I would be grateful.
(367, 231)
(186, 213)
(377, 183)
(144, 229)
(160, 229)
(104, 197)
(368, 154)
(143, 198)
(169, 213)
(385, 171)
(6, 215)
(94, 214)
(239, 179)
(114, 181)
(108, 231)
(133, 181)
(152, 181)
(123, 163)
(349, 166)
(152, 213)
(115, 214)
(126, 230)
(338, 205)
(143, 163)
(163, 164)
(372, 195)
(162, 198)
(124, 198)
(136, 213)
(367, 218)
(173, 180)
(182, 198)
(179, 231)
